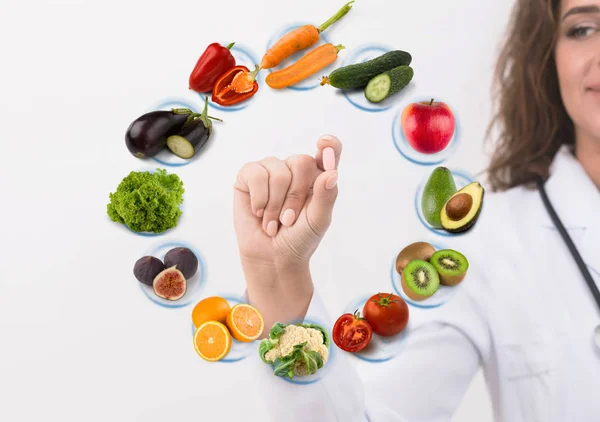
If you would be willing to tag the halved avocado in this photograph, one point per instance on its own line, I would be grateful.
(462, 209)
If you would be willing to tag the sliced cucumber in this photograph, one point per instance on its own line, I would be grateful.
(387, 84)
(378, 88)
(358, 75)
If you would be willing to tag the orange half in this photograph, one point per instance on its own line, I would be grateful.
(212, 308)
(212, 341)
(245, 323)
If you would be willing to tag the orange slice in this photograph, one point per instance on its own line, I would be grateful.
(245, 323)
(210, 309)
(212, 341)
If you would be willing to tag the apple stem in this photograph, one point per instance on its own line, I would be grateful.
(431, 103)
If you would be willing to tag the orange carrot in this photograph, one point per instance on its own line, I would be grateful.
(309, 64)
(299, 39)
(296, 40)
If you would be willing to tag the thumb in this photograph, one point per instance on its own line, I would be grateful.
(320, 207)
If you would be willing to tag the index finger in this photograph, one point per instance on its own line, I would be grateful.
(328, 141)
(253, 180)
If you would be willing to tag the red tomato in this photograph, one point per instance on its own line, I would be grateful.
(351, 332)
(387, 314)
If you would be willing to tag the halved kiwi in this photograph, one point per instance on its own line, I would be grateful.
(420, 280)
(418, 250)
(451, 265)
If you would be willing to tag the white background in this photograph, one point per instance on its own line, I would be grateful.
(79, 340)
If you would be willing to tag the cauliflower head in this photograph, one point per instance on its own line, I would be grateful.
(295, 349)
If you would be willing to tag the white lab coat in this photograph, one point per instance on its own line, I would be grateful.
(524, 314)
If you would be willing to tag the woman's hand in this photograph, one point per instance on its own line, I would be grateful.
(282, 210)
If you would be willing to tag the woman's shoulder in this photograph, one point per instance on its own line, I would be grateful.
(506, 211)
(509, 201)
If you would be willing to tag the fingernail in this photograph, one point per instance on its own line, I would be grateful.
(287, 219)
(328, 159)
(331, 182)
(327, 137)
(272, 228)
(260, 213)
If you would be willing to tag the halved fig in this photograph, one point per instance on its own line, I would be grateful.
(184, 259)
(147, 268)
(170, 284)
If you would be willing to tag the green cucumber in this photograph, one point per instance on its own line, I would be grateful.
(388, 83)
(358, 75)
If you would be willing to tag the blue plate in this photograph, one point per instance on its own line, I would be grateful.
(239, 350)
(380, 349)
(461, 179)
(194, 284)
(416, 157)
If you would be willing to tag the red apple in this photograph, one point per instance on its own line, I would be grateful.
(428, 126)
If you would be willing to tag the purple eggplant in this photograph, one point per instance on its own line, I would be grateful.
(192, 136)
(147, 135)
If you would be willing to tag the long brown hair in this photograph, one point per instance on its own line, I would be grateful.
(530, 114)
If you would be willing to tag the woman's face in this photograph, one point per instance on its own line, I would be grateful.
(578, 65)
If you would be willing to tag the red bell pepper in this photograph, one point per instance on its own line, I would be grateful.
(236, 85)
(215, 61)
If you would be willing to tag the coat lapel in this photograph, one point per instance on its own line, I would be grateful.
(577, 202)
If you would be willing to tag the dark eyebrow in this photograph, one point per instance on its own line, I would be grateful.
(582, 9)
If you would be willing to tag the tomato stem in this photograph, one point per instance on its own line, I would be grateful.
(357, 315)
(385, 301)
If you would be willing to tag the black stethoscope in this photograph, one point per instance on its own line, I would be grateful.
(582, 267)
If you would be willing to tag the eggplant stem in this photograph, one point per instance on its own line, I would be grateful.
(206, 119)
(182, 111)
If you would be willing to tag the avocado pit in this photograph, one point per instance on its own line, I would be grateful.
(459, 206)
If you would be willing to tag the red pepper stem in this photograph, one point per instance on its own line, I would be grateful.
(254, 73)
(230, 45)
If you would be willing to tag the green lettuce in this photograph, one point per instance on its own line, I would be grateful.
(147, 202)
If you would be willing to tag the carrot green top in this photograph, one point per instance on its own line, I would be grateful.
(340, 13)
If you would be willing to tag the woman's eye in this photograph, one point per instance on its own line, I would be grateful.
(580, 31)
